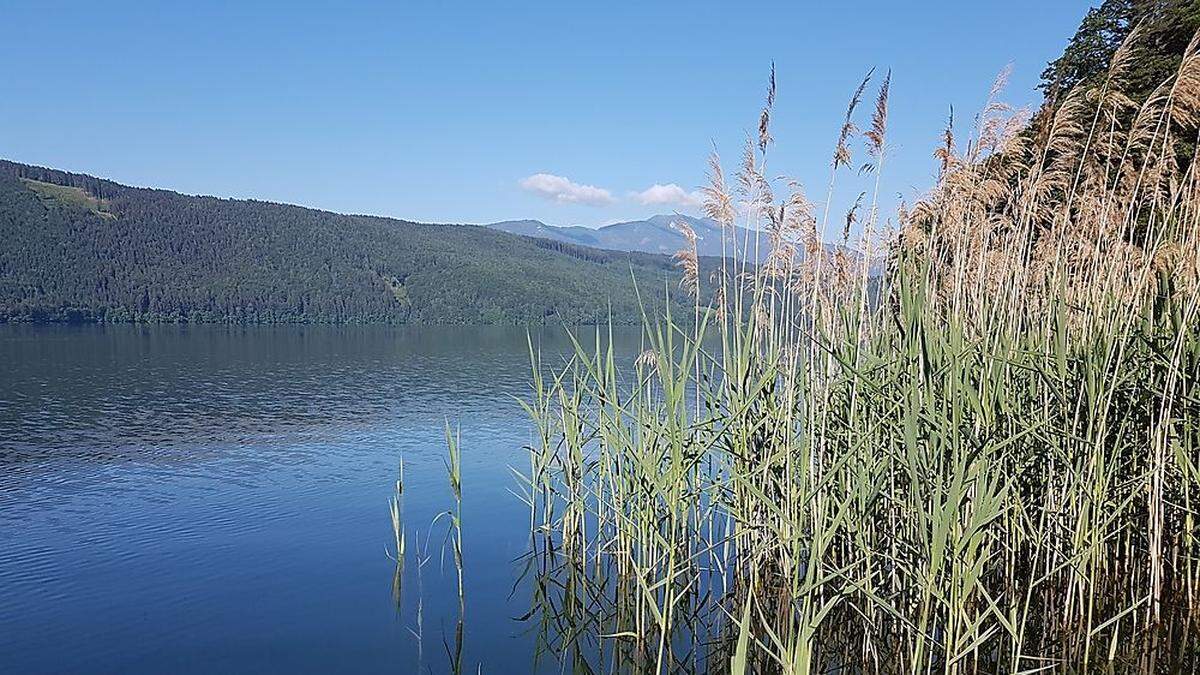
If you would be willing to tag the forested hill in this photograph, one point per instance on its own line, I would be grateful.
(78, 248)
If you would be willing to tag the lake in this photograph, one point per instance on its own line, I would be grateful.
(208, 498)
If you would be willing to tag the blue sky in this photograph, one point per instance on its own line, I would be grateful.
(443, 111)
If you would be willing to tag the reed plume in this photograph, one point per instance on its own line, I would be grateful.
(688, 259)
(985, 460)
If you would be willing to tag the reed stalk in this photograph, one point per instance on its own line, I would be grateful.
(984, 460)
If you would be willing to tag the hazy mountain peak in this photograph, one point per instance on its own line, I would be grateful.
(655, 234)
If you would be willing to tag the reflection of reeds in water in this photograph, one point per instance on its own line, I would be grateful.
(991, 464)
(454, 538)
(396, 511)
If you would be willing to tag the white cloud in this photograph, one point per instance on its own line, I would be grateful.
(560, 189)
(668, 194)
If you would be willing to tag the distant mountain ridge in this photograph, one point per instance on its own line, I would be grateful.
(652, 235)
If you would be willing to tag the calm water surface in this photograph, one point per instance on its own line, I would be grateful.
(200, 499)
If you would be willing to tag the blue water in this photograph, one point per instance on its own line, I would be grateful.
(209, 498)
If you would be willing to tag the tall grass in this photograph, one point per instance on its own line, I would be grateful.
(453, 538)
(988, 460)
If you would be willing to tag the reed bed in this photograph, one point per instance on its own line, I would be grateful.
(985, 460)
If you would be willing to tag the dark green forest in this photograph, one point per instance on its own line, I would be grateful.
(78, 248)
(1165, 27)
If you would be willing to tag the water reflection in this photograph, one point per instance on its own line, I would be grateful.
(199, 498)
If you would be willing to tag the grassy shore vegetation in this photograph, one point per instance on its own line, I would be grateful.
(989, 463)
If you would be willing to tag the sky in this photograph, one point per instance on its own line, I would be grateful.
(566, 112)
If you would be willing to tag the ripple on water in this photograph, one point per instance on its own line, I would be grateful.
(173, 496)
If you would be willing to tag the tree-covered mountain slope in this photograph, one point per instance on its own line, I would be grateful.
(75, 247)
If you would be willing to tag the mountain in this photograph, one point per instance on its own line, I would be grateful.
(656, 235)
(81, 248)
(652, 235)
(584, 236)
